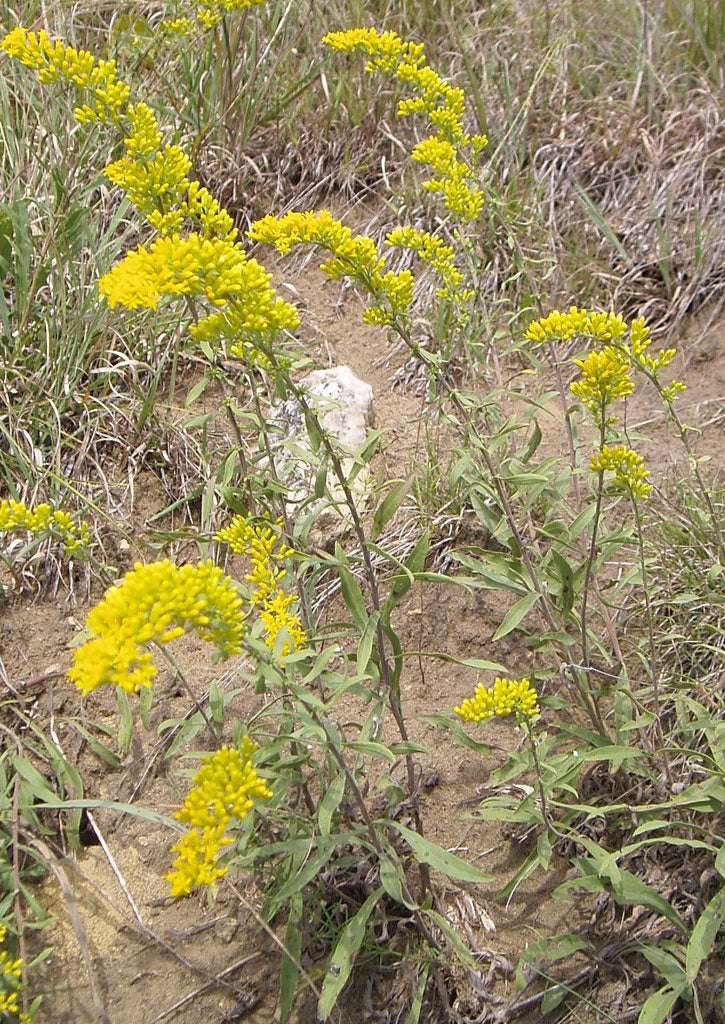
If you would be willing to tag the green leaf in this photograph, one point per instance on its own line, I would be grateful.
(321, 480)
(216, 703)
(329, 803)
(616, 754)
(552, 997)
(197, 390)
(627, 888)
(99, 749)
(554, 948)
(312, 426)
(289, 968)
(447, 863)
(341, 960)
(658, 1006)
(704, 934)
(392, 875)
(603, 226)
(38, 785)
(566, 579)
(309, 870)
(125, 727)
(668, 965)
(414, 563)
(352, 595)
(534, 442)
(389, 506)
(582, 521)
(367, 641)
(112, 805)
(515, 614)
(454, 938)
(377, 750)
(720, 861)
(453, 724)
(416, 1006)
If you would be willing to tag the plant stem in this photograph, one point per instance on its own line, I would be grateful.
(185, 683)
(654, 669)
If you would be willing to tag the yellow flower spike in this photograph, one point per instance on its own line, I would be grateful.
(628, 468)
(276, 616)
(196, 864)
(672, 390)
(604, 379)
(436, 254)
(224, 788)
(53, 61)
(505, 697)
(206, 263)
(266, 552)
(450, 153)
(173, 265)
(155, 604)
(10, 983)
(15, 517)
(154, 181)
(354, 256)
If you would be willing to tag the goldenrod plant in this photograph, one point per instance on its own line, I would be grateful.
(296, 792)
(194, 254)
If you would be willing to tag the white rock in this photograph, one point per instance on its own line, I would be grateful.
(344, 405)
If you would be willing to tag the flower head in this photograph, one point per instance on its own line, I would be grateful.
(628, 468)
(15, 517)
(155, 604)
(505, 697)
(196, 864)
(450, 152)
(604, 378)
(224, 788)
(11, 973)
(267, 553)
(556, 326)
(354, 256)
(53, 61)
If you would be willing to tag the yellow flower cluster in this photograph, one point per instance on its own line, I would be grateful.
(158, 182)
(505, 697)
(608, 328)
(354, 256)
(436, 254)
(155, 604)
(211, 12)
(15, 517)
(224, 788)
(639, 342)
(196, 864)
(144, 134)
(208, 262)
(451, 153)
(207, 15)
(177, 26)
(604, 378)
(266, 554)
(53, 62)
(627, 466)
(10, 981)
(212, 267)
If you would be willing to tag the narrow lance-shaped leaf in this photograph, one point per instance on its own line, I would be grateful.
(341, 961)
